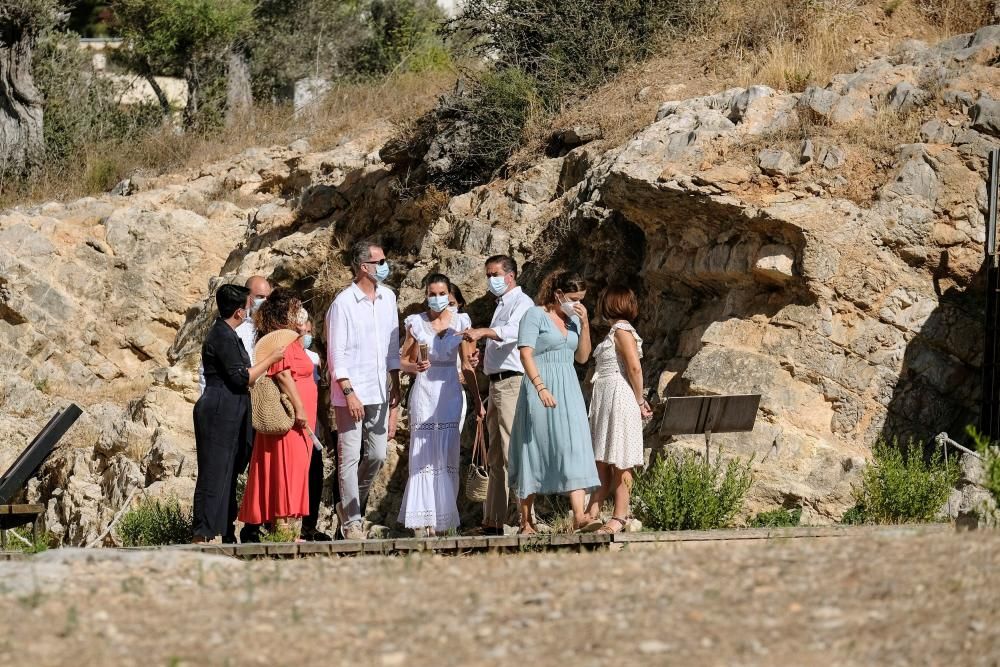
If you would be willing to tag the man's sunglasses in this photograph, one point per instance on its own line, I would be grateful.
(380, 262)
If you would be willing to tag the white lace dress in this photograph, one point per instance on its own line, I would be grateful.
(431, 495)
(615, 417)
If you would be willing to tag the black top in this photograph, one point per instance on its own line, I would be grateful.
(225, 360)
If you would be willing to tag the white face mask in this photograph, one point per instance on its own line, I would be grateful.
(497, 285)
(437, 303)
(453, 309)
(569, 307)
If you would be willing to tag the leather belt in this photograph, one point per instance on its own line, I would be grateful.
(503, 375)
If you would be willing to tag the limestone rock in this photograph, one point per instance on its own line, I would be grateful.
(775, 264)
(778, 162)
(806, 151)
(320, 201)
(836, 108)
(905, 97)
(578, 136)
(936, 132)
(985, 116)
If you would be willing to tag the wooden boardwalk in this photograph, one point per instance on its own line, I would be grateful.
(508, 544)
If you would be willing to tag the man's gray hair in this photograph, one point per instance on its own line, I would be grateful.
(361, 252)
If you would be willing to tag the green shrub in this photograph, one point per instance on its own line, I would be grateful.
(777, 518)
(991, 461)
(572, 45)
(278, 534)
(21, 539)
(542, 53)
(853, 517)
(154, 522)
(492, 122)
(396, 32)
(901, 485)
(101, 174)
(81, 108)
(682, 492)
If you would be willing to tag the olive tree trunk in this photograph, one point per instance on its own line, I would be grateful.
(21, 141)
(239, 98)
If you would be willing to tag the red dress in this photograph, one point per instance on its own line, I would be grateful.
(278, 477)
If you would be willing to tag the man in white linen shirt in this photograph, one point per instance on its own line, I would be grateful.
(362, 331)
(502, 363)
(260, 289)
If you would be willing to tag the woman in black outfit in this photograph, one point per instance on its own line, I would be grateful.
(222, 414)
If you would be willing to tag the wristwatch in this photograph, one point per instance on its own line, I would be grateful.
(348, 391)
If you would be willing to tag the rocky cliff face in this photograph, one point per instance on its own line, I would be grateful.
(819, 248)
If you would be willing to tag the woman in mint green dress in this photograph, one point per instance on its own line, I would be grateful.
(550, 444)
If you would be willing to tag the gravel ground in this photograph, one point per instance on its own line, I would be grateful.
(877, 599)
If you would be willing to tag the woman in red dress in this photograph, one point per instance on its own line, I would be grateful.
(278, 478)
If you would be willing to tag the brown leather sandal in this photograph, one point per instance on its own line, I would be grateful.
(607, 529)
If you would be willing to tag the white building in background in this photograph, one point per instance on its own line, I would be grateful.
(136, 89)
(133, 89)
(449, 7)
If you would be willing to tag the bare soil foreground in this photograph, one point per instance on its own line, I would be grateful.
(889, 598)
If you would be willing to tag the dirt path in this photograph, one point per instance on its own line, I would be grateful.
(878, 599)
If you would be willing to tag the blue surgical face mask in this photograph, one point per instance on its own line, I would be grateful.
(437, 303)
(497, 285)
(257, 303)
(307, 341)
(381, 271)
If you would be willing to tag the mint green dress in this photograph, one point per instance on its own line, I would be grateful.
(550, 448)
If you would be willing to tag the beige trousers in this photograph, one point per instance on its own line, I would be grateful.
(499, 421)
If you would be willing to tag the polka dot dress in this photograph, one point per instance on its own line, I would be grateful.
(615, 417)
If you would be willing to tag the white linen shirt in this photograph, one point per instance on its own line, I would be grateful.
(362, 344)
(247, 332)
(502, 354)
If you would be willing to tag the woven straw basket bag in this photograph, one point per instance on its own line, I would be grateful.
(271, 411)
(476, 477)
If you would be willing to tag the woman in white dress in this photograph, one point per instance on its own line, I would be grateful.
(430, 501)
(617, 406)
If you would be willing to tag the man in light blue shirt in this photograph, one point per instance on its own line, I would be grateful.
(502, 363)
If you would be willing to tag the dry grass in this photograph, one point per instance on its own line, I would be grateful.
(118, 392)
(870, 145)
(331, 277)
(881, 134)
(83, 435)
(786, 44)
(348, 108)
(956, 16)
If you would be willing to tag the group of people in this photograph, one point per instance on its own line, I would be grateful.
(284, 473)
(542, 439)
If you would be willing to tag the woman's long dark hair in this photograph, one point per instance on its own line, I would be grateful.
(459, 299)
(437, 278)
(562, 280)
(278, 311)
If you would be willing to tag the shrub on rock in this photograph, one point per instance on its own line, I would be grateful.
(902, 485)
(684, 492)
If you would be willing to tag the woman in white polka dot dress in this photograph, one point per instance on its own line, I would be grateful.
(617, 406)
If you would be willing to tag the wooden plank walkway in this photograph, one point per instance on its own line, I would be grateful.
(505, 544)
